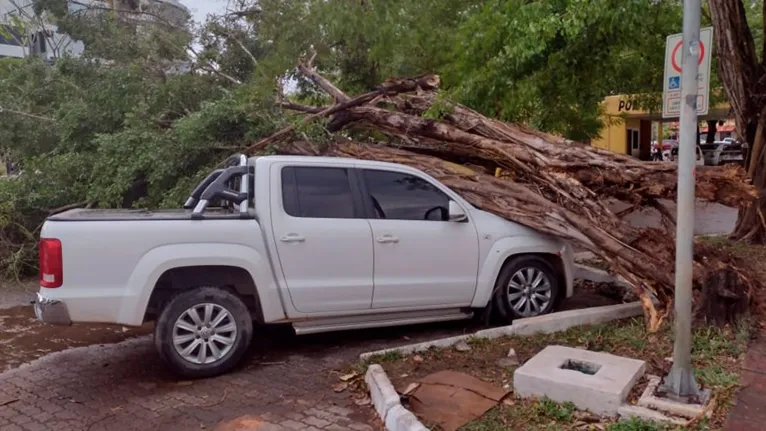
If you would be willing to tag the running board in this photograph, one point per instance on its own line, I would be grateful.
(367, 321)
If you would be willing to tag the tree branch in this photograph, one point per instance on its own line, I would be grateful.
(26, 114)
(309, 71)
(426, 82)
(301, 108)
(68, 207)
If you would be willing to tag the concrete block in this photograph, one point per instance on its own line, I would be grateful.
(627, 411)
(651, 401)
(382, 393)
(593, 381)
(401, 419)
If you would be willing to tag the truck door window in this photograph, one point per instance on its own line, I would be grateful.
(399, 196)
(317, 192)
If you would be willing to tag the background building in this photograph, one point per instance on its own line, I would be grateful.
(39, 36)
(629, 129)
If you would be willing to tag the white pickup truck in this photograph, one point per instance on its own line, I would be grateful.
(323, 244)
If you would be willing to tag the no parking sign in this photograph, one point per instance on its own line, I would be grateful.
(671, 84)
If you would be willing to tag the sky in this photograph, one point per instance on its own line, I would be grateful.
(200, 8)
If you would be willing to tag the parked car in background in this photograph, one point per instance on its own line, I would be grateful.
(672, 155)
(721, 152)
(322, 244)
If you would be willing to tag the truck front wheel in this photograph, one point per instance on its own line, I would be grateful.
(527, 286)
(203, 332)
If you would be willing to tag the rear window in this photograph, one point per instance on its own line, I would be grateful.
(316, 192)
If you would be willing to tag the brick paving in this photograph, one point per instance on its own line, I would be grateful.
(749, 411)
(283, 385)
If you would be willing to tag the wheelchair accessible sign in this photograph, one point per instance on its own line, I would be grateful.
(671, 87)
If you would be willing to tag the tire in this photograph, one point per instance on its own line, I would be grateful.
(224, 342)
(515, 269)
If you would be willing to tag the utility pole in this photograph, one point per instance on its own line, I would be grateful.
(680, 382)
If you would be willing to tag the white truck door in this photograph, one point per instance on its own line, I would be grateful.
(421, 258)
(322, 238)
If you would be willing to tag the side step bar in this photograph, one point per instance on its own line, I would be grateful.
(367, 321)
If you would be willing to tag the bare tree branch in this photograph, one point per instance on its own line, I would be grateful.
(309, 70)
(26, 114)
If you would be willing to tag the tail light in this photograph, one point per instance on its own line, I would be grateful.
(51, 263)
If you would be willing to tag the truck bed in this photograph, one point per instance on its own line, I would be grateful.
(82, 214)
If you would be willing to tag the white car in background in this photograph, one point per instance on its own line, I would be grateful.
(721, 152)
(671, 155)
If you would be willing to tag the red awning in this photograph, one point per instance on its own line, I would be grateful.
(724, 128)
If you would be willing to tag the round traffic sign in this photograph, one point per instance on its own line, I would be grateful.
(680, 43)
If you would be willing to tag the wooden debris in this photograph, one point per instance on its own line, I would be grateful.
(551, 184)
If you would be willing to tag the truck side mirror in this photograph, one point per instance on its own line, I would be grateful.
(456, 212)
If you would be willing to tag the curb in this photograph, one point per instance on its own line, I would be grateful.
(548, 323)
(564, 320)
(386, 401)
(417, 347)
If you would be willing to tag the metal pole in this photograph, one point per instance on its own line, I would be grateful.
(680, 382)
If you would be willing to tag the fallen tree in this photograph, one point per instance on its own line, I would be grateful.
(555, 186)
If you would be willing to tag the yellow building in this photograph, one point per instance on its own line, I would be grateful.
(628, 128)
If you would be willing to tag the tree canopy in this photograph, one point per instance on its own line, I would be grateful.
(151, 106)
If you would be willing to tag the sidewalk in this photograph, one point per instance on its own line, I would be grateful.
(749, 412)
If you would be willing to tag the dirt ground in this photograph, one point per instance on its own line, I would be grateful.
(23, 338)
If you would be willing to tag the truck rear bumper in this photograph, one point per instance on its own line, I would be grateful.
(51, 311)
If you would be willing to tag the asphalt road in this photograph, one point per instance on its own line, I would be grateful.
(709, 218)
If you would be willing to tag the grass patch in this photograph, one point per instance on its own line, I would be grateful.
(380, 358)
(384, 357)
(474, 341)
(635, 424)
(716, 357)
(555, 411)
(716, 376)
(541, 414)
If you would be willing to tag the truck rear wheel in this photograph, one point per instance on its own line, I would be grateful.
(203, 332)
(527, 286)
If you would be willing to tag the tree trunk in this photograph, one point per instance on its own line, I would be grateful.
(553, 185)
(743, 73)
(712, 128)
(751, 223)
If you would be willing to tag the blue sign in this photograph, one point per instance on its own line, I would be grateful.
(674, 83)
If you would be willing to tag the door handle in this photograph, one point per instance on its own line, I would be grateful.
(385, 239)
(292, 237)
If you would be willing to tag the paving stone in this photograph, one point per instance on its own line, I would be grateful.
(315, 421)
(749, 410)
(282, 379)
(292, 425)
